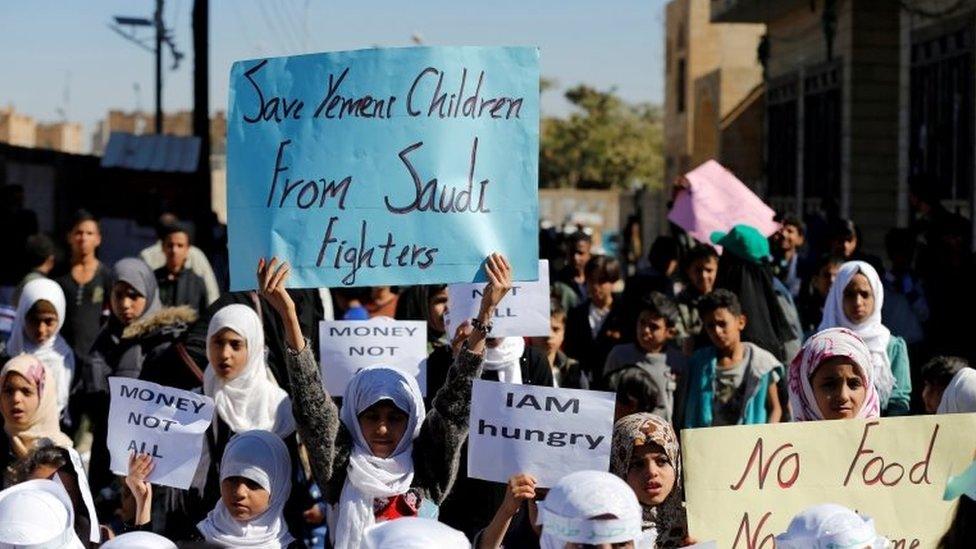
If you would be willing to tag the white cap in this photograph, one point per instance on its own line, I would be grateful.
(414, 533)
(829, 525)
(37, 514)
(139, 540)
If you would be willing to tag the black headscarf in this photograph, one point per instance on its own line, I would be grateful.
(766, 325)
(414, 304)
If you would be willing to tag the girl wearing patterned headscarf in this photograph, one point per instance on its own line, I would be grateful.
(854, 302)
(646, 455)
(831, 378)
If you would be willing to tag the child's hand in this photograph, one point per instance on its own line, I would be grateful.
(140, 466)
(520, 488)
(271, 284)
(499, 282)
(462, 332)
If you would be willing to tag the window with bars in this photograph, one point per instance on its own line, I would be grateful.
(781, 112)
(822, 132)
(941, 145)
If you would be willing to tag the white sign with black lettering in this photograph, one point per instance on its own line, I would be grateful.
(523, 312)
(164, 422)
(546, 432)
(347, 346)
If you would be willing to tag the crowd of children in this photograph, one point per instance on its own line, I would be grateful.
(743, 330)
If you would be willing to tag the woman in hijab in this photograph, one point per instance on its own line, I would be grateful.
(830, 525)
(136, 342)
(414, 533)
(37, 513)
(854, 302)
(255, 484)
(40, 315)
(591, 508)
(245, 393)
(384, 457)
(646, 455)
(831, 378)
(959, 395)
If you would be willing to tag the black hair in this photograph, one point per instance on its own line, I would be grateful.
(556, 310)
(720, 299)
(577, 237)
(663, 251)
(843, 229)
(827, 259)
(793, 220)
(51, 456)
(39, 248)
(603, 268)
(82, 215)
(661, 306)
(940, 370)
(167, 229)
(632, 384)
(700, 252)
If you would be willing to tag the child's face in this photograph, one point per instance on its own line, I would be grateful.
(227, 353)
(244, 498)
(42, 322)
(724, 328)
(383, 425)
(85, 238)
(701, 274)
(18, 400)
(652, 332)
(932, 397)
(176, 248)
(789, 238)
(844, 246)
(825, 278)
(600, 293)
(838, 388)
(436, 309)
(858, 299)
(650, 474)
(127, 303)
(557, 332)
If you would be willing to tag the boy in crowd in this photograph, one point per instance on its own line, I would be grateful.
(651, 352)
(566, 372)
(785, 246)
(571, 279)
(701, 267)
(810, 305)
(731, 382)
(179, 285)
(594, 326)
(937, 375)
(40, 258)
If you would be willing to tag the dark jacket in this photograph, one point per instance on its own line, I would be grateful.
(185, 288)
(590, 351)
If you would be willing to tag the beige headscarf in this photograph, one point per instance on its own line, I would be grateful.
(43, 423)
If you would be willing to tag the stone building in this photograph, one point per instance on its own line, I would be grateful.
(59, 136)
(860, 96)
(16, 128)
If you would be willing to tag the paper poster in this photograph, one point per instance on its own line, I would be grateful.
(744, 484)
(347, 346)
(718, 201)
(524, 311)
(166, 423)
(384, 166)
(546, 432)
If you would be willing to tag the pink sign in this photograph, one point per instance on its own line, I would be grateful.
(717, 201)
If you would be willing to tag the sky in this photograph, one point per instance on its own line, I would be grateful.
(61, 56)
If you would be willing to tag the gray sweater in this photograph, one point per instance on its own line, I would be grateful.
(436, 450)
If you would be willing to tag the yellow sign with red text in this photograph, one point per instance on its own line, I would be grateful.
(743, 484)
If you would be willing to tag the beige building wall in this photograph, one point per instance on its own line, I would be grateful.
(59, 136)
(16, 128)
(721, 70)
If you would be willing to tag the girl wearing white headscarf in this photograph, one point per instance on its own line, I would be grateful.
(249, 400)
(414, 533)
(592, 507)
(385, 473)
(959, 395)
(830, 525)
(53, 351)
(889, 353)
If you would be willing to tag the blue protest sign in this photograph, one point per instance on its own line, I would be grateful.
(384, 166)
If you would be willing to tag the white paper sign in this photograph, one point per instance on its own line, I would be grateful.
(523, 312)
(546, 432)
(347, 346)
(164, 422)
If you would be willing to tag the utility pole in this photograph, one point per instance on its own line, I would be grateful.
(160, 32)
(201, 87)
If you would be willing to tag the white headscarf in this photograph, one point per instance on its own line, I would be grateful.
(871, 330)
(262, 457)
(829, 525)
(37, 514)
(505, 359)
(567, 513)
(138, 540)
(414, 533)
(55, 352)
(960, 394)
(369, 477)
(252, 400)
